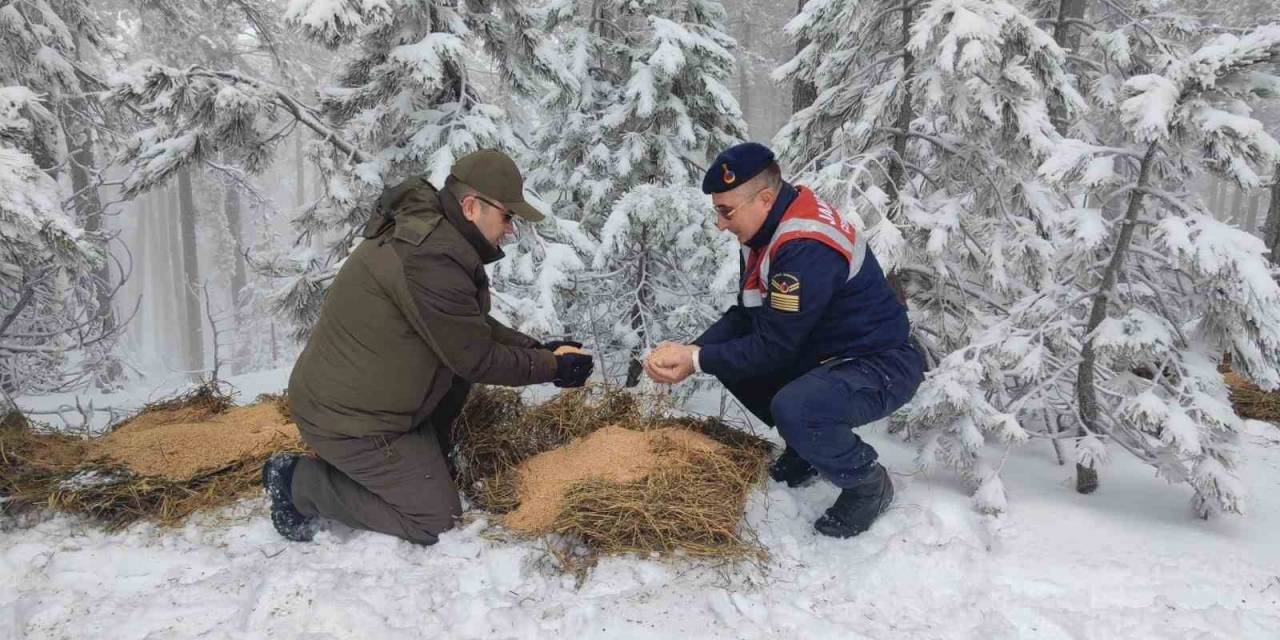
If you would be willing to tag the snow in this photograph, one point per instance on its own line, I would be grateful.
(1150, 110)
(330, 19)
(426, 59)
(1128, 561)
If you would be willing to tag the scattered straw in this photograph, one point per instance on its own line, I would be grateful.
(1251, 402)
(204, 402)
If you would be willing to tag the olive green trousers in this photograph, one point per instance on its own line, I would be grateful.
(398, 485)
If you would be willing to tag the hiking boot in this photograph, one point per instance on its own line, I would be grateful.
(792, 469)
(277, 479)
(858, 506)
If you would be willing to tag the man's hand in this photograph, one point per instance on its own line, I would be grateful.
(573, 369)
(670, 363)
(557, 346)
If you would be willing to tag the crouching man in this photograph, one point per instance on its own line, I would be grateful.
(403, 333)
(817, 344)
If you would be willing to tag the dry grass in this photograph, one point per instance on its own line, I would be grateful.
(693, 503)
(43, 469)
(1250, 401)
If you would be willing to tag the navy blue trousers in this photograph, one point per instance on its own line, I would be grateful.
(817, 411)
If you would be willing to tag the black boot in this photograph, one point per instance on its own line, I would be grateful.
(792, 469)
(858, 506)
(277, 479)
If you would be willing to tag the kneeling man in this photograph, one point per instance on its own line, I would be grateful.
(403, 333)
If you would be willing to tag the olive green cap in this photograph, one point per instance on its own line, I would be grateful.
(495, 175)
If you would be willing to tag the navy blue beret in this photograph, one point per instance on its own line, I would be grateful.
(736, 165)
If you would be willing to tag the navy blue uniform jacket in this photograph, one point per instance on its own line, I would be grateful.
(837, 316)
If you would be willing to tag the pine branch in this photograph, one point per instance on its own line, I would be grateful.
(302, 113)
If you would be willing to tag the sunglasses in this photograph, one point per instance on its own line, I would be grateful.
(729, 215)
(507, 214)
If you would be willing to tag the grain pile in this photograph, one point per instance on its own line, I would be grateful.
(171, 459)
(597, 468)
(183, 450)
(612, 454)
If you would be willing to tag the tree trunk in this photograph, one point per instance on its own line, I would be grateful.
(1237, 206)
(636, 367)
(194, 329)
(275, 353)
(1067, 36)
(1250, 224)
(300, 168)
(88, 208)
(174, 299)
(144, 324)
(156, 292)
(744, 77)
(1086, 393)
(231, 205)
(1271, 232)
(897, 164)
(803, 93)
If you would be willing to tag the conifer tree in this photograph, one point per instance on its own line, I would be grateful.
(403, 103)
(56, 281)
(1120, 346)
(646, 105)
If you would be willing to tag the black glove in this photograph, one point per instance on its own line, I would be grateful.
(573, 369)
(556, 344)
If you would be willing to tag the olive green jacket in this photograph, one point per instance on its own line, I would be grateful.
(407, 311)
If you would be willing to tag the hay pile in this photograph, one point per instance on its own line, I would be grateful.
(1251, 402)
(172, 458)
(596, 468)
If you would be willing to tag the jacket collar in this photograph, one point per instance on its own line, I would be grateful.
(786, 196)
(453, 213)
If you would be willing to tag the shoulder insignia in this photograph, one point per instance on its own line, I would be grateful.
(784, 292)
(415, 229)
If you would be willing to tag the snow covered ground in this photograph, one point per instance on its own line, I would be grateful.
(1127, 562)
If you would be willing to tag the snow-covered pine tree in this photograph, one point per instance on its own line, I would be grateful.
(1235, 16)
(48, 263)
(622, 142)
(1120, 345)
(927, 117)
(929, 121)
(403, 103)
(1178, 288)
(57, 286)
